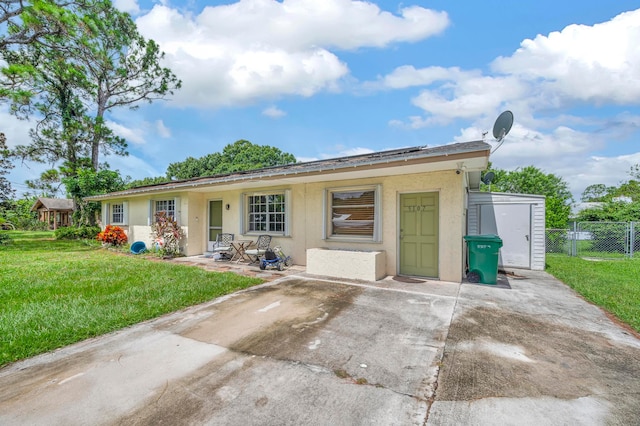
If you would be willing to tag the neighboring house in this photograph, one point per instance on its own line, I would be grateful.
(54, 211)
(408, 206)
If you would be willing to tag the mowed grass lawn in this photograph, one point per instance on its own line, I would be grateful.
(612, 284)
(53, 293)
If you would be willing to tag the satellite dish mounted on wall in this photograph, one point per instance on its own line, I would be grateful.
(488, 178)
(501, 128)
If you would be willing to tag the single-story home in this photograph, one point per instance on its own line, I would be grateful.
(54, 211)
(397, 212)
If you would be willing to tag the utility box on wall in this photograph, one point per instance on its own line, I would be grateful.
(518, 219)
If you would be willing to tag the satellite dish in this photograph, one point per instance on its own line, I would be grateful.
(488, 178)
(501, 127)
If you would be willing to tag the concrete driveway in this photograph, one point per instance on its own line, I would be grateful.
(302, 350)
(296, 351)
(535, 354)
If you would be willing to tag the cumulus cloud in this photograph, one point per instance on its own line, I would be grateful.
(273, 112)
(129, 6)
(599, 63)
(131, 135)
(162, 130)
(581, 64)
(561, 150)
(262, 49)
(132, 166)
(408, 76)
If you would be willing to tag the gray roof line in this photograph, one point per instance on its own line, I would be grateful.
(355, 161)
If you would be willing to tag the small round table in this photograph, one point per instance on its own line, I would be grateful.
(239, 248)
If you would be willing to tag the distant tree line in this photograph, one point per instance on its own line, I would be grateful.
(619, 203)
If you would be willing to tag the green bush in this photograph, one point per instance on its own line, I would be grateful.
(77, 233)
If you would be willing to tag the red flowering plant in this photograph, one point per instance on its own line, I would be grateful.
(113, 235)
(166, 234)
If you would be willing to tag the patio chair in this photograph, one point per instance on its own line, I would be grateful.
(262, 244)
(223, 246)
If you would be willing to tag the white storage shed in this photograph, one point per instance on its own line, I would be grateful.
(518, 219)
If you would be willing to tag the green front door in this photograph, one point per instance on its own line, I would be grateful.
(215, 220)
(419, 234)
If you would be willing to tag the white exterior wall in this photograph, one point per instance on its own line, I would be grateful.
(307, 217)
(537, 203)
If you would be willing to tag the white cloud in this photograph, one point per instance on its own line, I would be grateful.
(16, 131)
(162, 130)
(263, 49)
(563, 151)
(273, 112)
(132, 166)
(408, 76)
(129, 6)
(599, 63)
(581, 64)
(131, 135)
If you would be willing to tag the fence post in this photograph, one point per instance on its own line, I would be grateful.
(632, 238)
(574, 248)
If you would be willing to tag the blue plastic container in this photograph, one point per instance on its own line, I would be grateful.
(138, 247)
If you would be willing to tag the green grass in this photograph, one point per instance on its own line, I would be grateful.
(611, 284)
(54, 293)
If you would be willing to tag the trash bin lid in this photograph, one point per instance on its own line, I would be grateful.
(489, 238)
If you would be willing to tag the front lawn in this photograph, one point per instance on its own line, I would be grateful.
(611, 284)
(54, 293)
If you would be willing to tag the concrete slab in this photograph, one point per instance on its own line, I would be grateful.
(297, 351)
(308, 350)
(535, 354)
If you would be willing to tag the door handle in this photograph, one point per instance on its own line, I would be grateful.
(401, 234)
(527, 237)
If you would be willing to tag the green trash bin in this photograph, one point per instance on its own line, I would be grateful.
(483, 258)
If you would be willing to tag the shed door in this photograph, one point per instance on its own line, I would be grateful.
(419, 234)
(512, 223)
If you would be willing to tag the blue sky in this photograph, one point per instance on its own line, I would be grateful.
(329, 78)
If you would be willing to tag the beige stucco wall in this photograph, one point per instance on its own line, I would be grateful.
(307, 216)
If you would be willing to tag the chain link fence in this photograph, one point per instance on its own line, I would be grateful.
(602, 240)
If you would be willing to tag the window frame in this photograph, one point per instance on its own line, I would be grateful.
(328, 210)
(153, 209)
(113, 213)
(108, 213)
(167, 201)
(246, 220)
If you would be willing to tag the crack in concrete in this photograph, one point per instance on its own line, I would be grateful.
(314, 368)
(438, 362)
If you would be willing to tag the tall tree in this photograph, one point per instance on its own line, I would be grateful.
(73, 80)
(124, 69)
(88, 182)
(617, 203)
(25, 22)
(47, 185)
(6, 192)
(531, 180)
(238, 156)
(596, 193)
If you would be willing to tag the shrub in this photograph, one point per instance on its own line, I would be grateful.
(113, 235)
(76, 233)
(166, 234)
